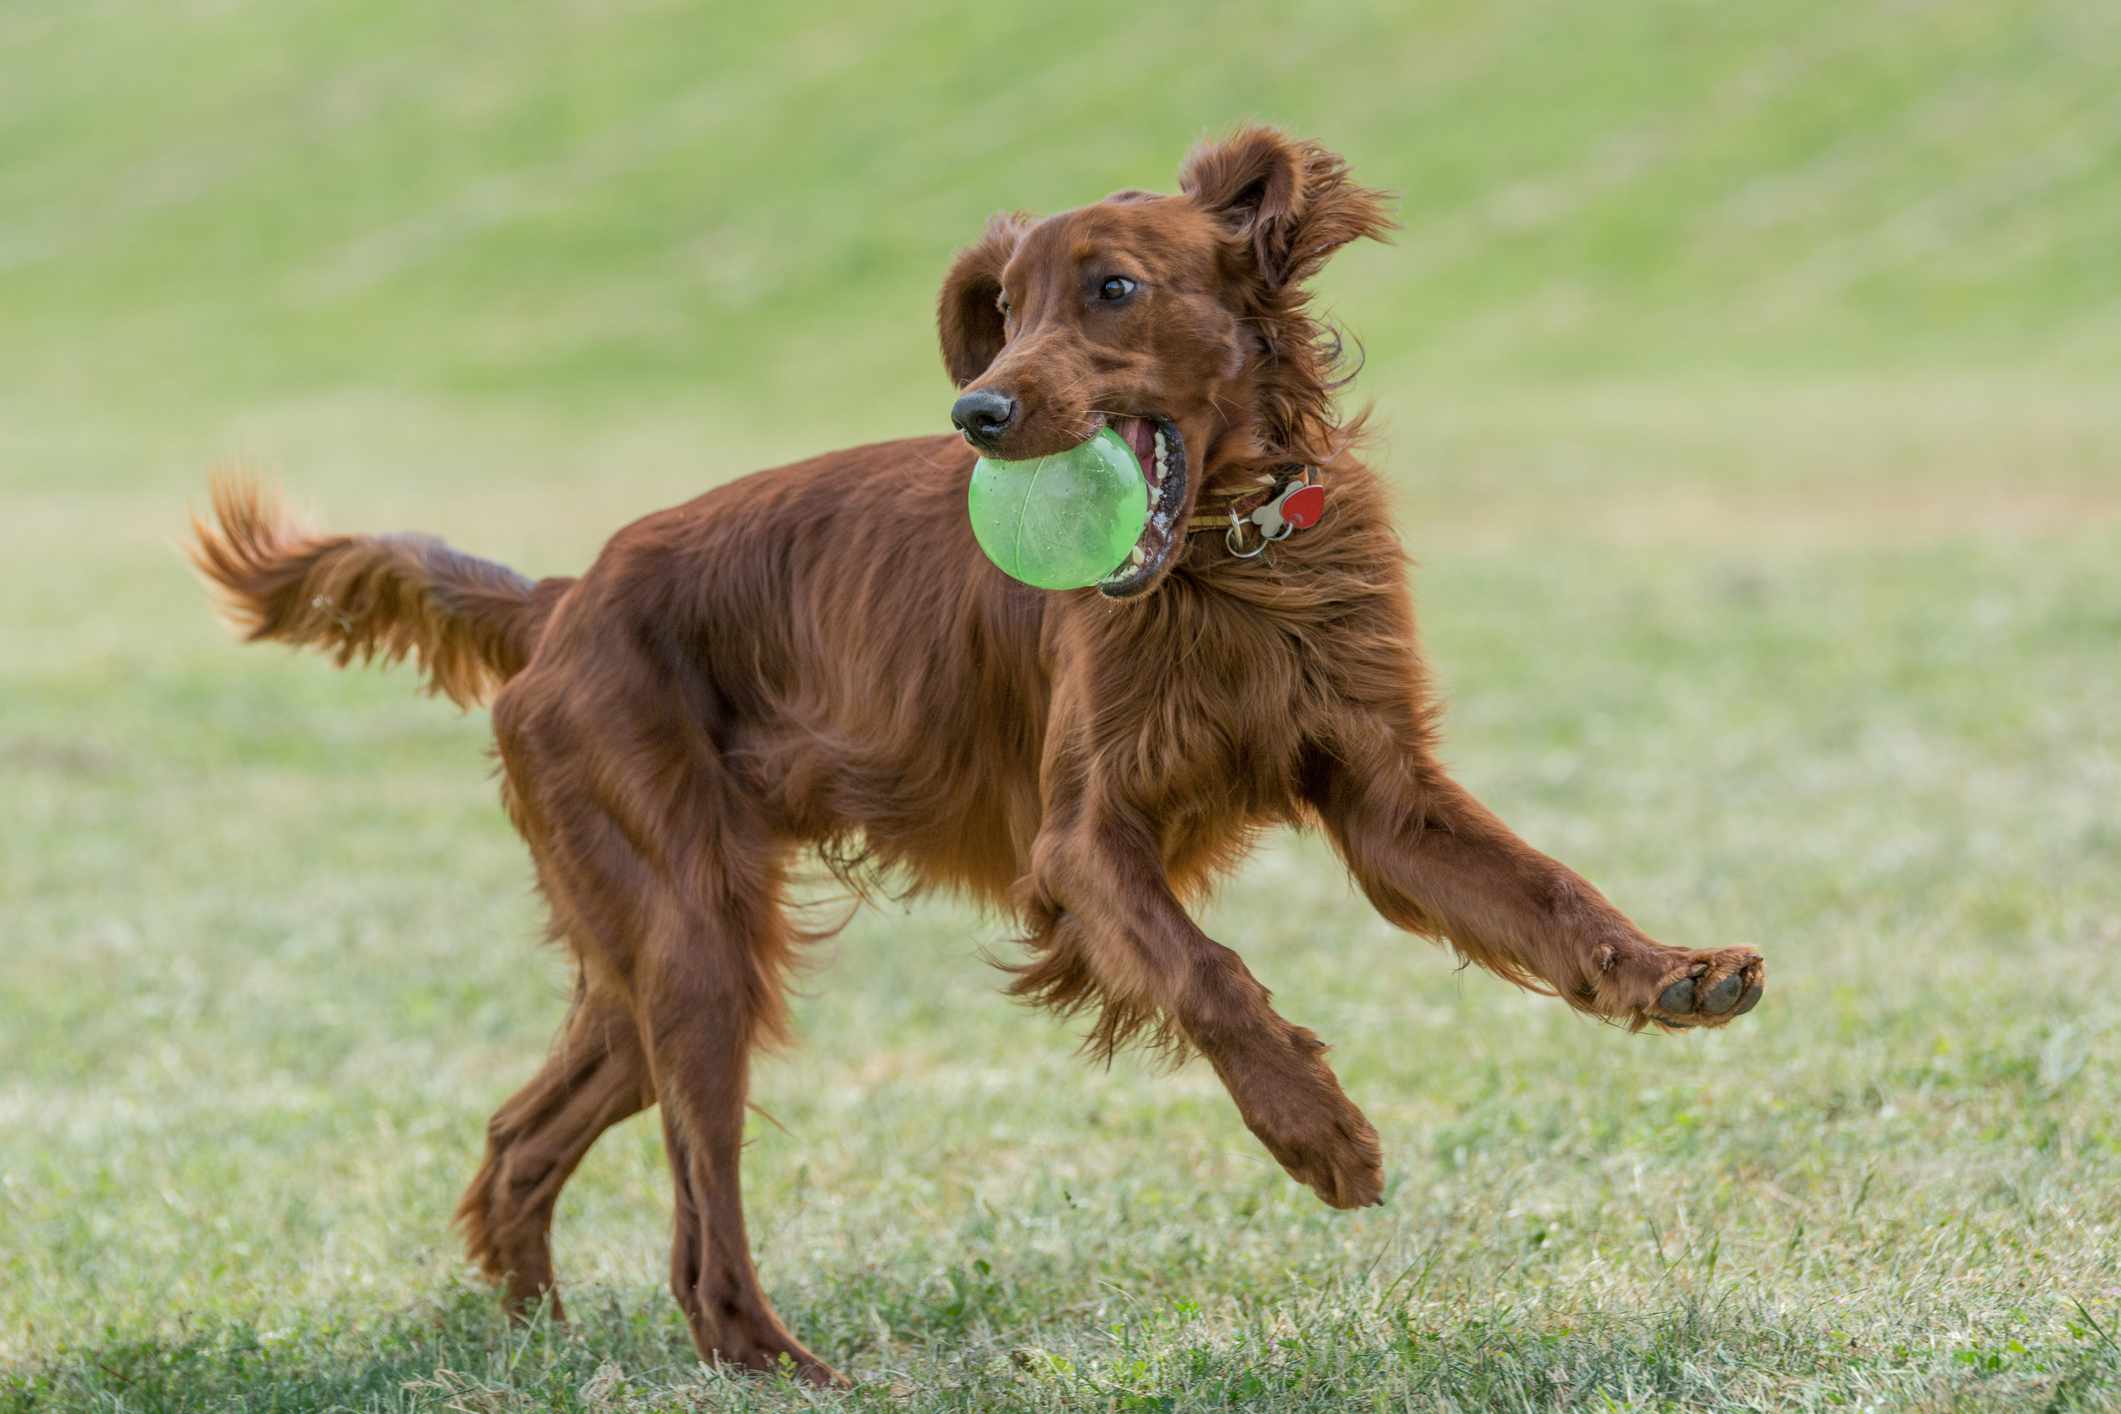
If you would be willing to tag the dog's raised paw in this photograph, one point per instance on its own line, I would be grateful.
(1712, 989)
(1339, 1159)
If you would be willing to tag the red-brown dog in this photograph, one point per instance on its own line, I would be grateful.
(819, 656)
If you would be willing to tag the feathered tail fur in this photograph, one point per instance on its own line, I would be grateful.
(471, 624)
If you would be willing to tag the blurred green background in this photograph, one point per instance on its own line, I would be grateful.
(256, 228)
(1751, 378)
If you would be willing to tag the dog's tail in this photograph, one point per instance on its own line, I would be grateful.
(471, 623)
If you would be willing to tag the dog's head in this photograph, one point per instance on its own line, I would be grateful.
(1179, 321)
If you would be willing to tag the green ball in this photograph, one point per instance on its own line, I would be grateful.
(1064, 521)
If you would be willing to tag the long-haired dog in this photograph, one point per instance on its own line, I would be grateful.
(819, 658)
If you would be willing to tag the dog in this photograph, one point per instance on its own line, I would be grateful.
(818, 659)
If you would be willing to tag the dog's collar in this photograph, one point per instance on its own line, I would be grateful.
(1278, 506)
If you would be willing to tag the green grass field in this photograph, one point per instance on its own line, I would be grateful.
(1752, 379)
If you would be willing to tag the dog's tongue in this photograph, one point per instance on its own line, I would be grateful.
(1140, 433)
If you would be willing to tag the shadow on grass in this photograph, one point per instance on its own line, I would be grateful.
(619, 1353)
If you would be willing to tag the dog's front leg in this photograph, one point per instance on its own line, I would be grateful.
(1110, 933)
(1436, 861)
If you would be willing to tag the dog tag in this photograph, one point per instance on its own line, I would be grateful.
(1297, 508)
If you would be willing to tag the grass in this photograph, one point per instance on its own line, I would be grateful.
(1749, 379)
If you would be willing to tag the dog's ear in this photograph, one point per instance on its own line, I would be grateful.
(1290, 202)
(966, 316)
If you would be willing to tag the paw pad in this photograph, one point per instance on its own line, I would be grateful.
(1700, 999)
(1723, 995)
(1678, 998)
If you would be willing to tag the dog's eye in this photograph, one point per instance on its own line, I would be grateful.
(1001, 303)
(1115, 289)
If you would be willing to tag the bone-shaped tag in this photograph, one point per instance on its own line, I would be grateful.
(1297, 508)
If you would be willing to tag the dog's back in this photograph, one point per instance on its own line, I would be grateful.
(871, 684)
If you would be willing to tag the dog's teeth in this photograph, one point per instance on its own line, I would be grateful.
(1135, 557)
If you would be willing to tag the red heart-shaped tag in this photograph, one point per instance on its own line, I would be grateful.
(1303, 506)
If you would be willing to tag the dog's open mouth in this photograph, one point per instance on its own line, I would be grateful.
(1162, 453)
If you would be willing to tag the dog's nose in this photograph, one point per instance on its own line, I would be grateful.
(985, 417)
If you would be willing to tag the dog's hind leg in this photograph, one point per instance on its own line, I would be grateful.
(708, 989)
(595, 1077)
(665, 876)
